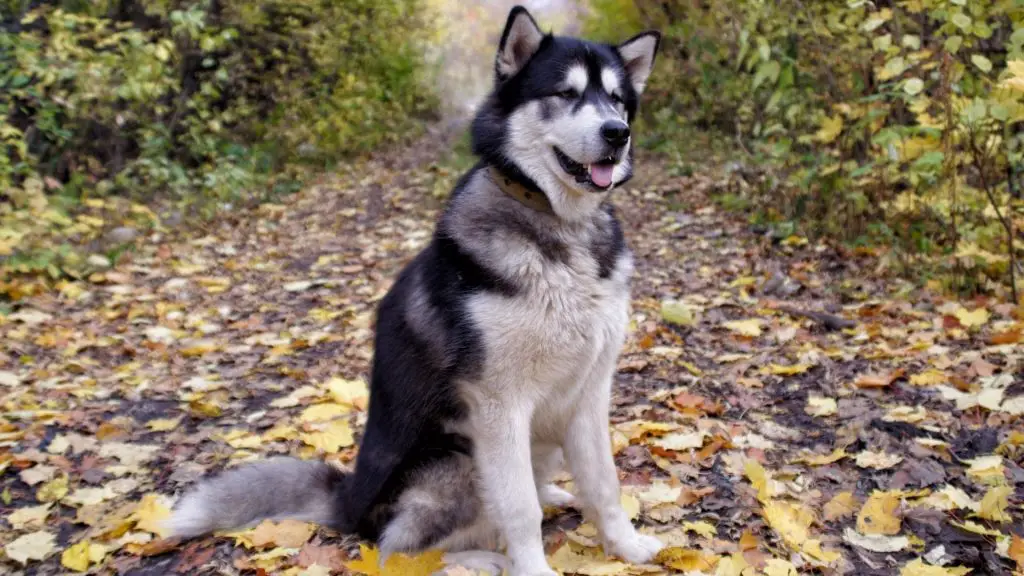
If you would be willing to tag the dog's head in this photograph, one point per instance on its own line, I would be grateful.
(559, 116)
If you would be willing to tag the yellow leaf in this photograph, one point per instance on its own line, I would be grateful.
(994, 504)
(686, 560)
(878, 514)
(242, 439)
(1016, 68)
(840, 506)
(758, 479)
(150, 514)
(705, 529)
(679, 313)
(929, 378)
(821, 459)
(919, 568)
(322, 412)
(331, 438)
(34, 546)
(750, 327)
(163, 424)
(830, 129)
(790, 521)
(987, 470)
(972, 319)
(734, 565)
(779, 567)
(284, 534)
(80, 556)
(351, 392)
(53, 490)
(397, 564)
(821, 406)
(780, 370)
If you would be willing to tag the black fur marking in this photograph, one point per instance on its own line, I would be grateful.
(413, 395)
(608, 244)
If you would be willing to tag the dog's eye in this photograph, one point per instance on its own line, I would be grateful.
(569, 94)
(616, 98)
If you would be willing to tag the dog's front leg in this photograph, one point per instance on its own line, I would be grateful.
(502, 452)
(589, 452)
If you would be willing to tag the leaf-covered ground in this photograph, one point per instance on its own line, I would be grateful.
(779, 408)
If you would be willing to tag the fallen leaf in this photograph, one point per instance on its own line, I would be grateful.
(821, 406)
(840, 506)
(1016, 551)
(878, 515)
(876, 542)
(150, 514)
(331, 437)
(779, 567)
(685, 560)
(679, 441)
(994, 504)
(397, 564)
(29, 516)
(54, 490)
(34, 546)
(285, 534)
(80, 556)
(929, 378)
(750, 327)
(705, 529)
(972, 319)
(9, 378)
(877, 460)
(780, 370)
(987, 469)
(917, 567)
(679, 313)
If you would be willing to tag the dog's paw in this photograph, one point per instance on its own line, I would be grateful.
(551, 495)
(635, 548)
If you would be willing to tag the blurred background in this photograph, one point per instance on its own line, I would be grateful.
(890, 125)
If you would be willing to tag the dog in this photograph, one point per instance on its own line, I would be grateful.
(496, 347)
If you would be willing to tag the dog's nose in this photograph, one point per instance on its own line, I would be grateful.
(615, 132)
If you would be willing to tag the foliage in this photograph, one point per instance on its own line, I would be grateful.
(886, 122)
(187, 100)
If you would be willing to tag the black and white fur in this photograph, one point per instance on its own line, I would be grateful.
(496, 347)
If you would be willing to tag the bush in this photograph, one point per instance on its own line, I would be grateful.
(212, 100)
(893, 123)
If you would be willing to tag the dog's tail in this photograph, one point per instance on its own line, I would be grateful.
(274, 489)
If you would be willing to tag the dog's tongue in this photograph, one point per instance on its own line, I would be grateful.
(601, 174)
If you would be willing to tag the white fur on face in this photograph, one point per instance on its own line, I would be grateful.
(577, 78)
(610, 81)
(577, 133)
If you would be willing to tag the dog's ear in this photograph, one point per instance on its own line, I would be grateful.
(519, 42)
(638, 55)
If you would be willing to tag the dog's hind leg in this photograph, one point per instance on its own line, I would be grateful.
(438, 503)
(548, 460)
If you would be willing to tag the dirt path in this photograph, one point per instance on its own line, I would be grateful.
(798, 410)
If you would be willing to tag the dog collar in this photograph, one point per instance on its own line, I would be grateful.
(529, 198)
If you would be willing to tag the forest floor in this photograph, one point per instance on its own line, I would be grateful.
(780, 408)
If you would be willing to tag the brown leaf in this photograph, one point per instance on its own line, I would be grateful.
(326, 556)
(840, 506)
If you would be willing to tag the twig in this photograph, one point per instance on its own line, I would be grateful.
(1006, 222)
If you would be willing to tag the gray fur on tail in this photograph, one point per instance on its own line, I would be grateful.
(274, 489)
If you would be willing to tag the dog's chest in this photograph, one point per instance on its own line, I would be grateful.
(564, 316)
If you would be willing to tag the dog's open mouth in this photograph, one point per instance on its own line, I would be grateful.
(599, 173)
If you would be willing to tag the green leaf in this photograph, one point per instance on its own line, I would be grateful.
(913, 86)
(983, 63)
(962, 21)
(953, 44)
(893, 68)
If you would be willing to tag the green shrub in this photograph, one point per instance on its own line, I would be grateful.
(887, 122)
(188, 100)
